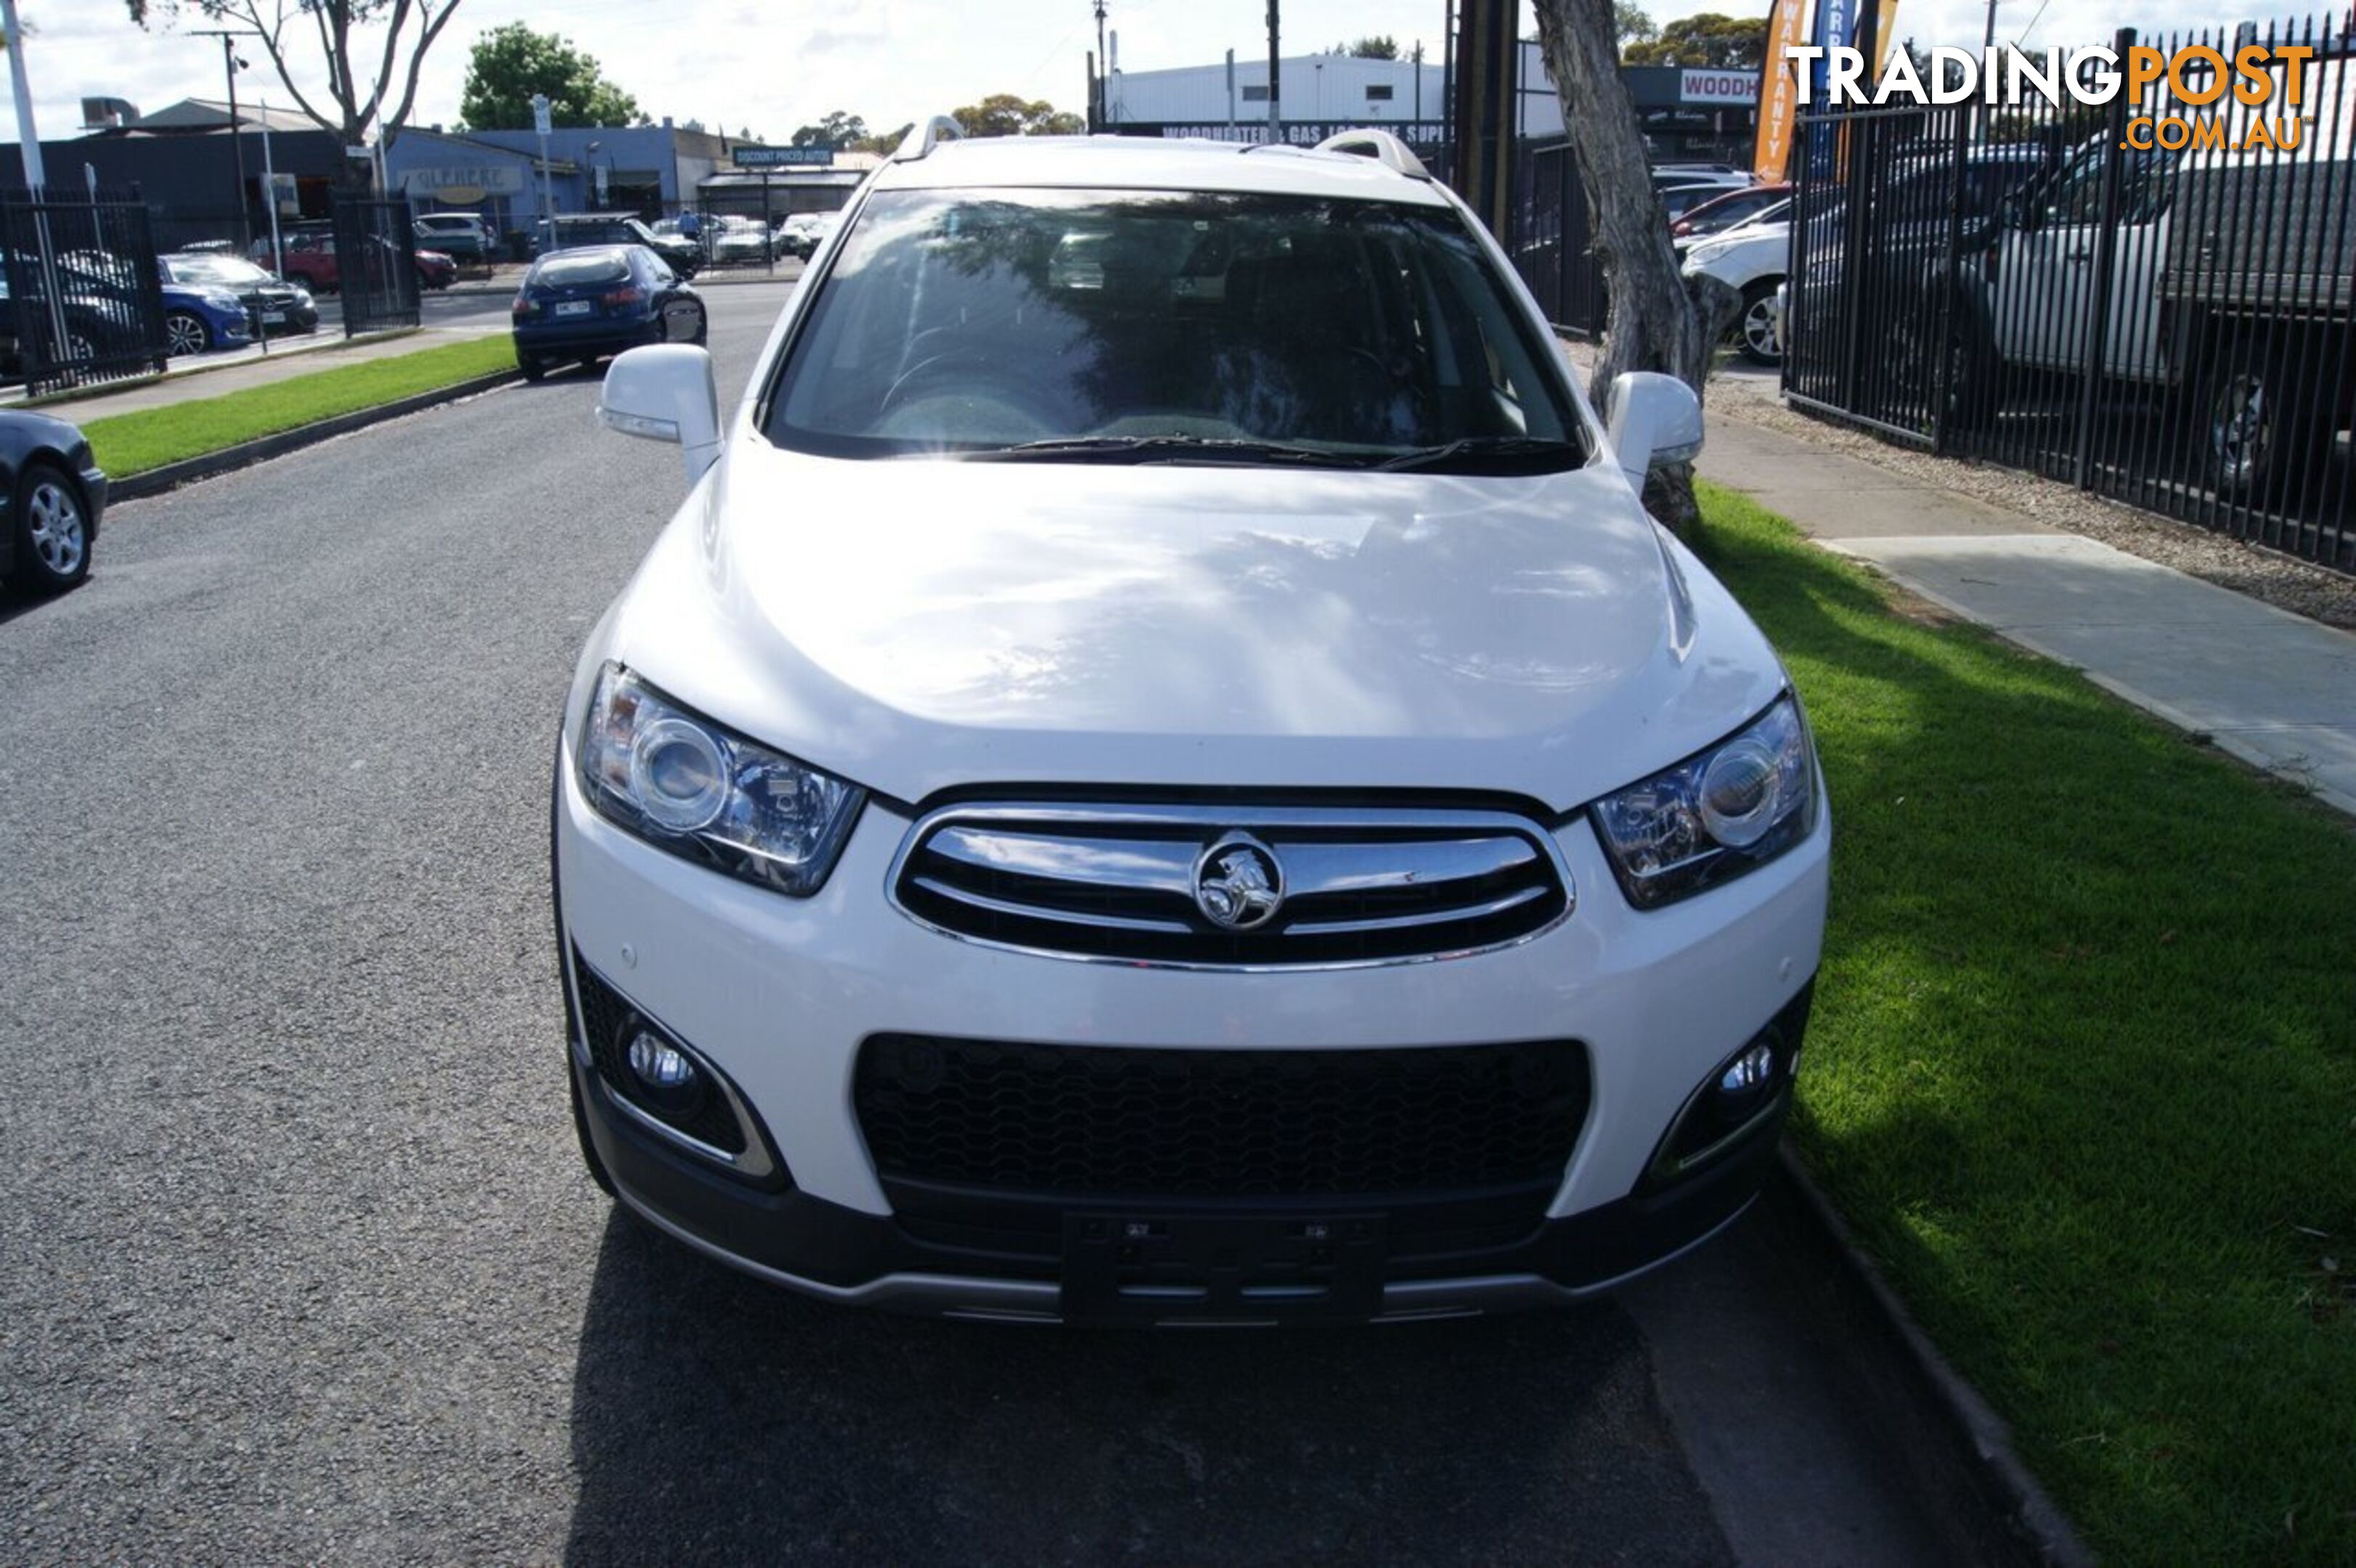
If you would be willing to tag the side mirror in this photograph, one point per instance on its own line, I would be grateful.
(1653, 419)
(665, 392)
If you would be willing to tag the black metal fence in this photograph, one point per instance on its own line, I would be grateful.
(1552, 245)
(376, 264)
(83, 303)
(2148, 299)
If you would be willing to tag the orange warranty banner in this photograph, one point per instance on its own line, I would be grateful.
(1778, 91)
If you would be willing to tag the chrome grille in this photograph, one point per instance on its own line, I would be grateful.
(1119, 882)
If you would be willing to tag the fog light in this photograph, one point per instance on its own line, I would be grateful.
(1754, 1069)
(667, 1077)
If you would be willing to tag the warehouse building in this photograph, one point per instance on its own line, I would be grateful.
(1685, 114)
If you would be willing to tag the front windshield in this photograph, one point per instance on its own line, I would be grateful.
(956, 323)
(1779, 212)
(215, 270)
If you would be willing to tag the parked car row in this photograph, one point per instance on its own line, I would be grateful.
(1751, 255)
(210, 300)
(574, 230)
(307, 254)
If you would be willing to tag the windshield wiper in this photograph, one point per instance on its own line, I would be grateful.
(1161, 449)
(1490, 454)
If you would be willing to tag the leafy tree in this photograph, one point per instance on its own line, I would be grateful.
(838, 131)
(369, 51)
(1709, 39)
(1633, 24)
(1379, 46)
(883, 142)
(1006, 114)
(510, 64)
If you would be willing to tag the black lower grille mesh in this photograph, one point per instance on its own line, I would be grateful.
(1219, 1123)
(605, 1026)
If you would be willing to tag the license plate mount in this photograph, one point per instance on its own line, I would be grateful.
(1243, 1268)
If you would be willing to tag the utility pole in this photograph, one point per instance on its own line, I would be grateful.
(1275, 79)
(231, 66)
(1987, 38)
(1103, 92)
(28, 144)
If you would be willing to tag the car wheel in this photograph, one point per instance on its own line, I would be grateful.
(1971, 385)
(185, 333)
(2256, 428)
(1754, 328)
(533, 369)
(53, 532)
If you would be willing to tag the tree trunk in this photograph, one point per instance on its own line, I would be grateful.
(1653, 325)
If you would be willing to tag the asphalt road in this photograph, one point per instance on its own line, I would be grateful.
(298, 1261)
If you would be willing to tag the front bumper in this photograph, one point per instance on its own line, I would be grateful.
(779, 994)
(836, 1253)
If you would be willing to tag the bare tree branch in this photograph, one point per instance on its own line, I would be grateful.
(339, 28)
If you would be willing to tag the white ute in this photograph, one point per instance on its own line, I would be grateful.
(1161, 773)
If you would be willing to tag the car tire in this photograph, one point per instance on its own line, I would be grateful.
(185, 333)
(533, 369)
(52, 532)
(1754, 324)
(2256, 431)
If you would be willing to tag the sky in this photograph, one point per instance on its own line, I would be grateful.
(774, 65)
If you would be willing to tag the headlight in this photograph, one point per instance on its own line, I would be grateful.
(222, 299)
(1716, 815)
(301, 296)
(685, 785)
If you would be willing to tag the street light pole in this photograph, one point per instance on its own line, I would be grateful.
(1103, 92)
(231, 66)
(1275, 79)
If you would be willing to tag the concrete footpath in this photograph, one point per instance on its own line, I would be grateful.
(2276, 689)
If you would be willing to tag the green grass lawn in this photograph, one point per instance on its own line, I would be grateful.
(2083, 1067)
(130, 444)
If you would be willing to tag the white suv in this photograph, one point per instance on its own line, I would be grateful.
(1162, 771)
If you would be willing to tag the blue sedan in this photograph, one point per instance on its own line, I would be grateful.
(582, 305)
(201, 318)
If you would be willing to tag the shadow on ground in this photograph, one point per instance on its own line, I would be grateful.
(728, 1421)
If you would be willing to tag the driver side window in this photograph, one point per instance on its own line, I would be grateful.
(2079, 198)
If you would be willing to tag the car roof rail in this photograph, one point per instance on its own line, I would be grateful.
(921, 139)
(1380, 146)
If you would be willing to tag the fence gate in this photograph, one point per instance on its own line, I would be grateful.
(1552, 247)
(376, 264)
(2154, 302)
(84, 303)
